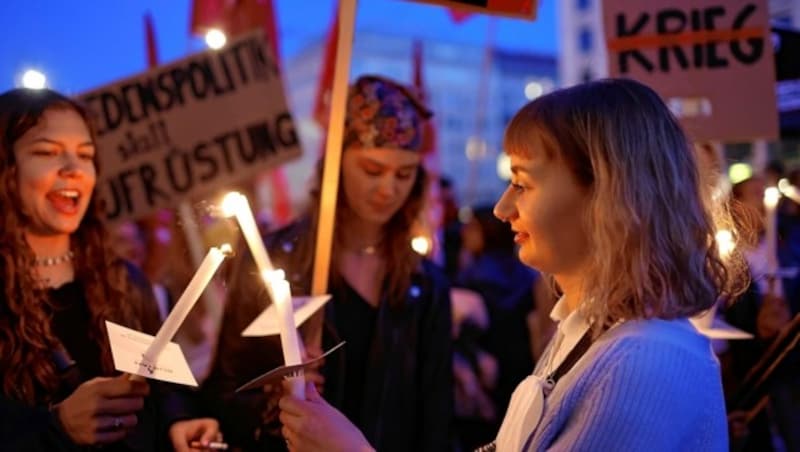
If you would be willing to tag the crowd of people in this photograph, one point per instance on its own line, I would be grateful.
(555, 319)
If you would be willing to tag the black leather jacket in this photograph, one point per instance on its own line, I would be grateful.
(408, 395)
(34, 428)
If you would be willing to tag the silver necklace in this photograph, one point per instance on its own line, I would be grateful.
(51, 261)
(366, 250)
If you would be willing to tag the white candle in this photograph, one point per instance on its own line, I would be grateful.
(290, 343)
(235, 204)
(789, 190)
(771, 198)
(187, 300)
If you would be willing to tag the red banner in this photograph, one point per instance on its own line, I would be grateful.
(525, 9)
(325, 81)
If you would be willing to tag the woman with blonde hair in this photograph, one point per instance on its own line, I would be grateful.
(606, 199)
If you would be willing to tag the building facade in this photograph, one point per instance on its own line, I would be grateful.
(582, 55)
(471, 104)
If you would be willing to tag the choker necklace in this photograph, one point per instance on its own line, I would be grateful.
(51, 261)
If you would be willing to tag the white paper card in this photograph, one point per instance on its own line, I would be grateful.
(713, 327)
(266, 324)
(128, 347)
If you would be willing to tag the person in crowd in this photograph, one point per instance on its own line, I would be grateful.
(506, 287)
(393, 378)
(131, 242)
(61, 282)
(450, 227)
(763, 310)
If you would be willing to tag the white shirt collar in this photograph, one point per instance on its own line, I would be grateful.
(560, 310)
(569, 323)
(527, 402)
(571, 327)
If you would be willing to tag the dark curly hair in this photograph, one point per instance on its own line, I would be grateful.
(26, 340)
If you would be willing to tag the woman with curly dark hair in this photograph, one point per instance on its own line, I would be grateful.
(61, 281)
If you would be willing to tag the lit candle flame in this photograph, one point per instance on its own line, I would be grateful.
(771, 197)
(215, 38)
(789, 190)
(421, 245)
(725, 242)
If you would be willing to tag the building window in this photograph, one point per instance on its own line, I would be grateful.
(585, 40)
(583, 5)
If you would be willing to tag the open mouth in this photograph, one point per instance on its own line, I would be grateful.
(65, 201)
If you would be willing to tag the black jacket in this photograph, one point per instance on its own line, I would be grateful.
(408, 395)
(34, 428)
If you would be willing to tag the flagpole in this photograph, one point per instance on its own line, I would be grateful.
(478, 138)
(332, 163)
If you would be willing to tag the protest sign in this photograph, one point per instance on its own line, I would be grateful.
(183, 129)
(711, 60)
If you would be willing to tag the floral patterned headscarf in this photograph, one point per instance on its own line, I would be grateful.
(383, 114)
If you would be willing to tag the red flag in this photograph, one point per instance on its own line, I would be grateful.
(271, 28)
(236, 17)
(206, 14)
(416, 63)
(281, 201)
(322, 103)
(433, 219)
(429, 131)
(150, 41)
(458, 15)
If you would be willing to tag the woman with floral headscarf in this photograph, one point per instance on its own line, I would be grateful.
(392, 307)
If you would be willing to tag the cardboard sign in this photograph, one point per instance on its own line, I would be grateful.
(183, 129)
(525, 9)
(711, 61)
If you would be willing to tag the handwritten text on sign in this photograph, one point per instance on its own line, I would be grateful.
(183, 129)
(714, 55)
